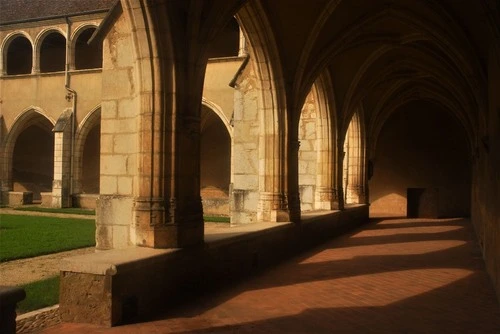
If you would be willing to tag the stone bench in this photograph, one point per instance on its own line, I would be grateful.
(46, 199)
(9, 297)
(20, 197)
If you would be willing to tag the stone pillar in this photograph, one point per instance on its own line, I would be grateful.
(61, 197)
(327, 198)
(273, 207)
(292, 176)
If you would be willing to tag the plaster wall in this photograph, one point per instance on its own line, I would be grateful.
(421, 146)
(218, 75)
(47, 93)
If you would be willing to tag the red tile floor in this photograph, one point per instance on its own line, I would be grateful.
(390, 276)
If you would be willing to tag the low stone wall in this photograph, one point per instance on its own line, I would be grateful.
(35, 321)
(119, 286)
(85, 201)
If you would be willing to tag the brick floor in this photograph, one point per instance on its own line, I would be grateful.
(392, 276)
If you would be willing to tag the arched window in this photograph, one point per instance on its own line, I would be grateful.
(53, 53)
(87, 56)
(19, 56)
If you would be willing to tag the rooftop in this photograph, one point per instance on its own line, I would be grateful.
(12, 11)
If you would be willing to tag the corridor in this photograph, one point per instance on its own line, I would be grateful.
(390, 276)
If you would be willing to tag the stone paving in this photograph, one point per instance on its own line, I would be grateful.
(391, 276)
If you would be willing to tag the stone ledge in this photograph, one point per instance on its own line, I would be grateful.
(118, 286)
(110, 262)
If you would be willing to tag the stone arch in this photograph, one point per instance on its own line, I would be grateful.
(87, 154)
(421, 93)
(277, 202)
(218, 111)
(40, 151)
(50, 54)
(83, 55)
(354, 161)
(17, 54)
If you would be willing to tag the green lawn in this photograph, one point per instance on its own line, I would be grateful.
(28, 236)
(216, 219)
(40, 294)
(75, 211)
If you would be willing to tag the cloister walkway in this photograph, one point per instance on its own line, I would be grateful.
(390, 276)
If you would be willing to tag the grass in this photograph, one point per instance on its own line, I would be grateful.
(75, 211)
(216, 219)
(29, 236)
(40, 294)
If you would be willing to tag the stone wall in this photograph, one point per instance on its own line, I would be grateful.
(421, 146)
(119, 139)
(486, 178)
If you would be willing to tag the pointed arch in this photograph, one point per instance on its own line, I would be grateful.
(275, 200)
(87, 154)
(31, 118)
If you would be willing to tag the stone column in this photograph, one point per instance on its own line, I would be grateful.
(292, 176)
(61, 197)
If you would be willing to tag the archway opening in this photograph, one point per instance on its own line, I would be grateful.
(215, 163)
(53, 53)
(353, 182)
(87, 56)
(33, 159)
(308, 137)
(19, 56)
(421, 166)
(91, 161)
(226, 44)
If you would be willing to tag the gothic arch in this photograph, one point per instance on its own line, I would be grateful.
(218, 111)
(90, 125)
(275, 198)
(32, 116)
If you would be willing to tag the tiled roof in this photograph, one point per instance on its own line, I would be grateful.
(23, 10)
